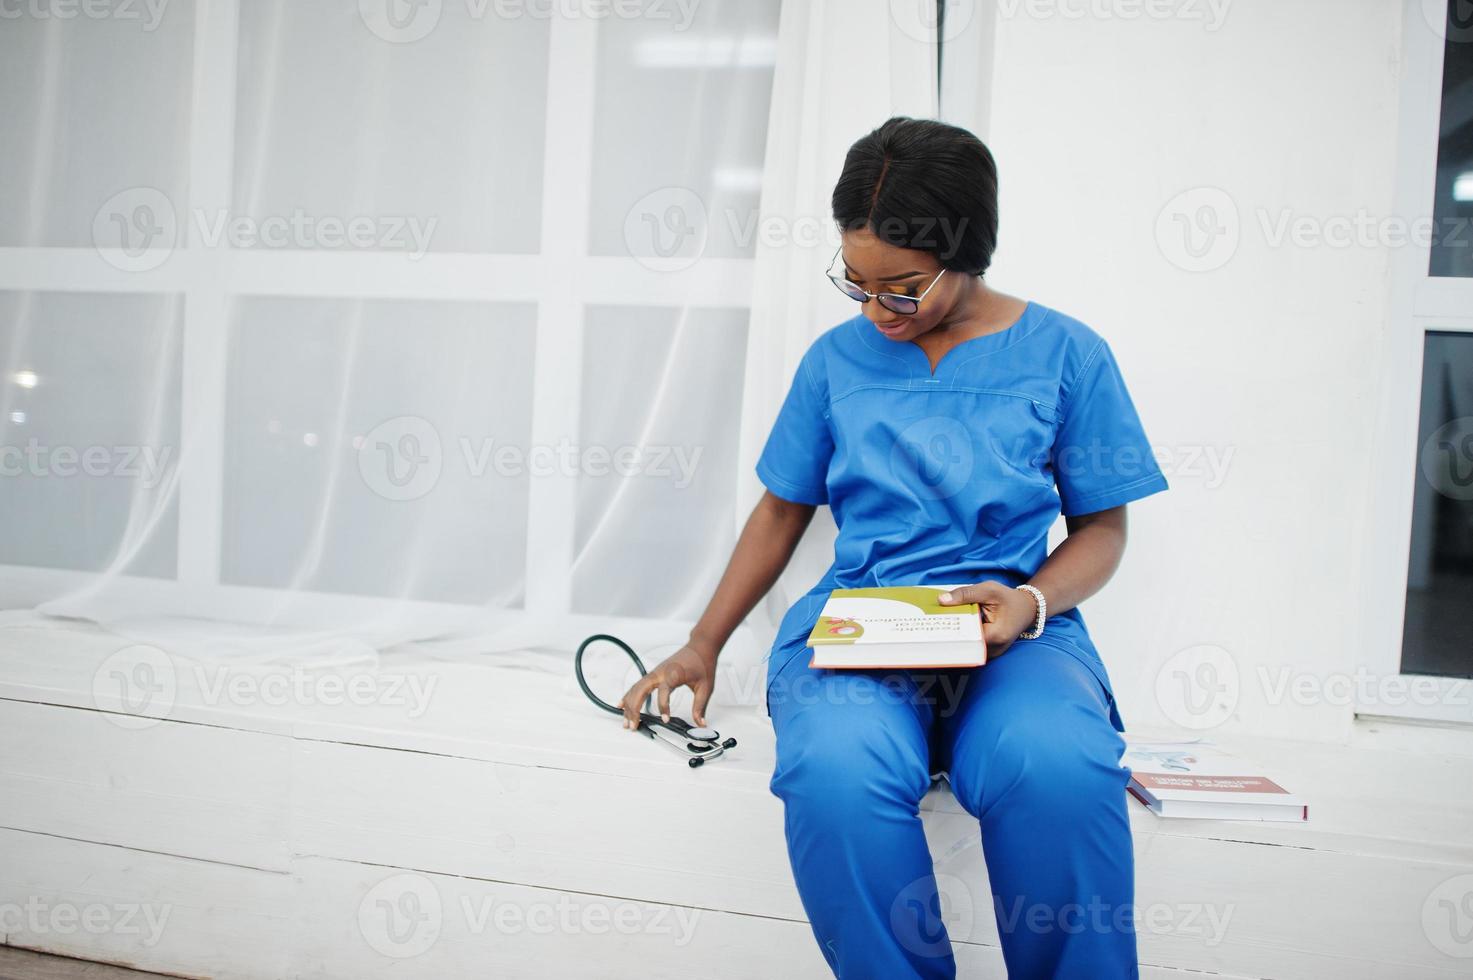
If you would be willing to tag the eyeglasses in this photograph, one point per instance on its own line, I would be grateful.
(894, 302)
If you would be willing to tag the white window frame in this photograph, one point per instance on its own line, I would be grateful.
(1419, 303)
(209, 278)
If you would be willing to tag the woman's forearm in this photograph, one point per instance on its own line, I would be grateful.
(1084, 561)
(762, 551)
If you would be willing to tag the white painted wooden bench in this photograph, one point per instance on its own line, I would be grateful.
(246, 838)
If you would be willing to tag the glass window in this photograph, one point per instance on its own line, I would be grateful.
(94, 107)
(680, 131)
(1438, 634)
(1452, 209)
(362, 447)
(89, 430)
(430, 140)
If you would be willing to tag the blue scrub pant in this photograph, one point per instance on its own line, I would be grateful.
(1029, 750)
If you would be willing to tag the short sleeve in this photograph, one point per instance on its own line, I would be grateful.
(795, 461)
(1101, 456)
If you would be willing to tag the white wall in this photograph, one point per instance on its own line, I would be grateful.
(1266, 359)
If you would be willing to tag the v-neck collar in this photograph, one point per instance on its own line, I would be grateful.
(915, 354)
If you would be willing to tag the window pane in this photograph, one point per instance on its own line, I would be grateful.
(661, 408)
(360, 440)
(96, 105)
(89, 431)
(436, 121)
(1452, 247)
(1438, 638)
(680, 130)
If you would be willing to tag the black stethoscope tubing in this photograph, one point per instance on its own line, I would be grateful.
(578, 669)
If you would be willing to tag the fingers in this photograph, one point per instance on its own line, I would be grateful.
(633, 702)
(981, 592)
(663, 682)
(698, 709)
(996, 638)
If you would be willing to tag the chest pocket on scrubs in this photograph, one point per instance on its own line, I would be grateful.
(1013, 480)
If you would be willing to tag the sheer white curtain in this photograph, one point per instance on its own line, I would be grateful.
(327, 326)
(842, 69)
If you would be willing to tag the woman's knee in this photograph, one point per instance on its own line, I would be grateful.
(1062, 758)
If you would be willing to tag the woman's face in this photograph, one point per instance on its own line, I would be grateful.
(880, 267)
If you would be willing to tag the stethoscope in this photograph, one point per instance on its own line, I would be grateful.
(697, 744)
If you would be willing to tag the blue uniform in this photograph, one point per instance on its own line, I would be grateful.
(945, 478)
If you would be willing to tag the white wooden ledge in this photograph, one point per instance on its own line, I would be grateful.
(283, 839)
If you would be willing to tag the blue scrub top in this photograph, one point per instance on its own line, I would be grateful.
(957, 476)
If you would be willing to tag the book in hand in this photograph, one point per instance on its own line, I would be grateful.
(1198, 779)
(902, 626)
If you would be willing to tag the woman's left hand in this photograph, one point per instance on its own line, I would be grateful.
(1006, 612)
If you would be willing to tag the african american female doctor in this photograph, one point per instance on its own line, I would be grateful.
(946, 426)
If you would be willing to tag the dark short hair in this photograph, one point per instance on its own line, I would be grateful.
(926, 185)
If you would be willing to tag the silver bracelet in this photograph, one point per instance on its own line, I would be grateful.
(1038, 622)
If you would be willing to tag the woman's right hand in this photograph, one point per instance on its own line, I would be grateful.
(690, 666)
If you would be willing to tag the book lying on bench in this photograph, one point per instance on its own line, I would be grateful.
(1198, 779)
(901, 626)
